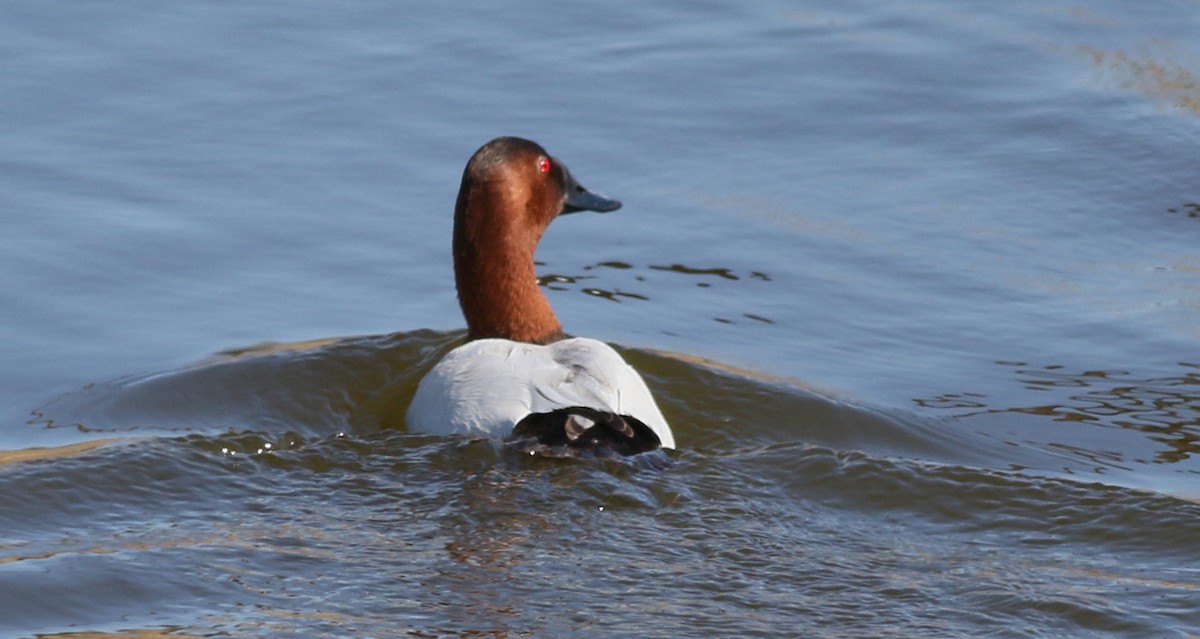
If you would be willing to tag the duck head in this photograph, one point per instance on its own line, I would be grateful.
(511, 190)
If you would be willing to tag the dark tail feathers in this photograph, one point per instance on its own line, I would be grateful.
(580, 431)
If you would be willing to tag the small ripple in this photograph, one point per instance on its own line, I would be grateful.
(1165, 408)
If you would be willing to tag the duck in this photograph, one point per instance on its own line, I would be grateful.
(519, 378)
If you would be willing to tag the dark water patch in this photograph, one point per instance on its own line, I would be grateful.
(757, 318)
(84, 588)
(1190, 210)
(1000, 545)
(1160, 414)
(615, 295)
(613, 264)
(1001, 508)
(556, 281)
(561, 282)
(718, 409)
(130, 532)
(313, 388)
(723, 273)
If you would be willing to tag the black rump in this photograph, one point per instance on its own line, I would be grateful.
(580, 431)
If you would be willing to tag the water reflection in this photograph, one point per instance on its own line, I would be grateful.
(691, 270)
(1160, 78)
(613, 295)
(554, 281)
(1191, 209)
(1167, 409)
(723, 273)
(559, 282)
(705, 278)
(488, 537)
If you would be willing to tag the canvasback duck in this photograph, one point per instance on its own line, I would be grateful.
(518, 378)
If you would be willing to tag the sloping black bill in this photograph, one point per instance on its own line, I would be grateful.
(581, 199)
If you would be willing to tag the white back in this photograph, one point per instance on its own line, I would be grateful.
(486, 386)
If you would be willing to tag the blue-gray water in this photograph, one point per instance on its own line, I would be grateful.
(917, 284)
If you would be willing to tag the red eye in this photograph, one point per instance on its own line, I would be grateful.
(544, 165)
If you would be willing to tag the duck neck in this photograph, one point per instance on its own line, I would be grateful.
(497, 282)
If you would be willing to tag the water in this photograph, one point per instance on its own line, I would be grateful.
(916, 284)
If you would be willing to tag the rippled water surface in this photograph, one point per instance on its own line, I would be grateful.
(916, 283)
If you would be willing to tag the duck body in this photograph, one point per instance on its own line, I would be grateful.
(486, 387)
(518, 378)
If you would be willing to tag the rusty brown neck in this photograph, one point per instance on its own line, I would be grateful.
(495, 235)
